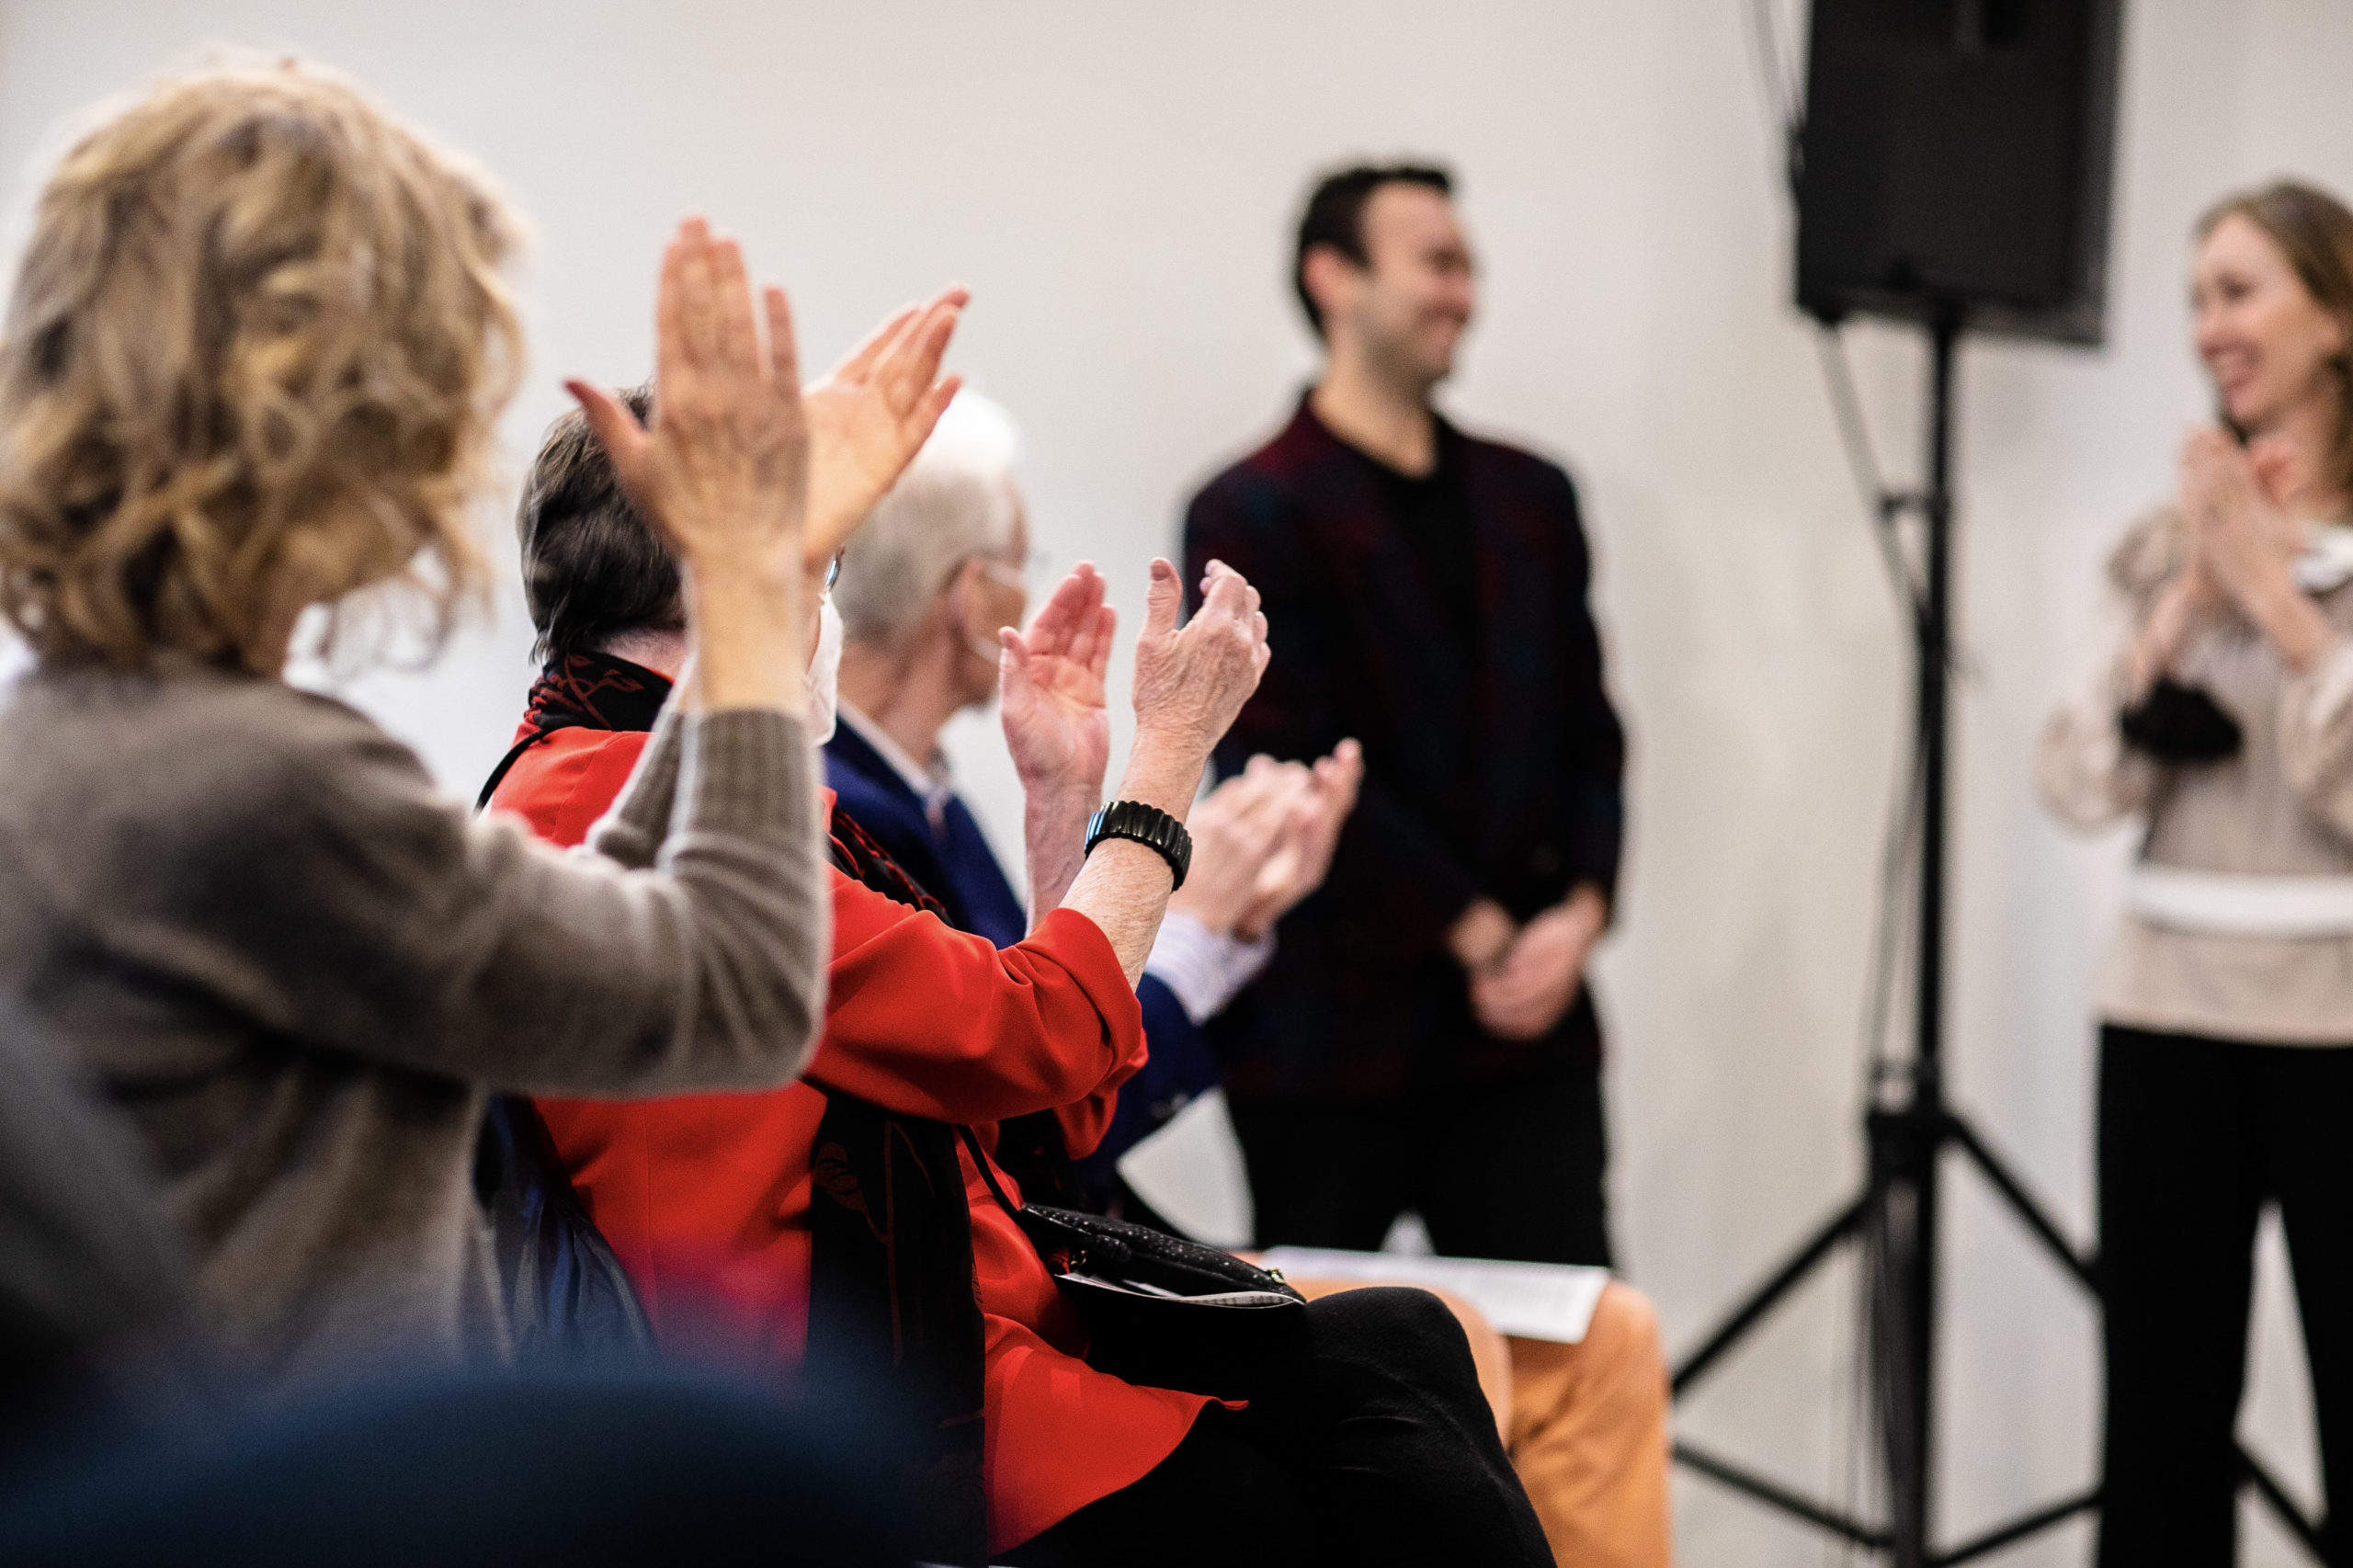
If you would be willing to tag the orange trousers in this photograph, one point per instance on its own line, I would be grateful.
(1585, 1425)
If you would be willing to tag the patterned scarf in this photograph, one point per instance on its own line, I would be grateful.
(595, 691)
(582, 691)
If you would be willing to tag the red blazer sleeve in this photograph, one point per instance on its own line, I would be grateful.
(930, 1021)
(1085, 1122)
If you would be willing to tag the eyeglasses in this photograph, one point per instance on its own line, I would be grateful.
(1025, 575)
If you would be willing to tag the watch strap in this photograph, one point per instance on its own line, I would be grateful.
(1147, 825)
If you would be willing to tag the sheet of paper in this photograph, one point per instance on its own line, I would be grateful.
(1535, 1300)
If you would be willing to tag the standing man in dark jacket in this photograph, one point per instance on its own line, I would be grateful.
(1424, 1038)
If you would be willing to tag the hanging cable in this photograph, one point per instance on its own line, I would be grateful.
(1882, 509)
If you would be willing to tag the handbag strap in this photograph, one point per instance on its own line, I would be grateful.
(515, 754)
(988, 1174)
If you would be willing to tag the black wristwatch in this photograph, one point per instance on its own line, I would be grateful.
(1148, 825)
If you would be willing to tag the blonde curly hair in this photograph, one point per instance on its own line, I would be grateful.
(257, 347)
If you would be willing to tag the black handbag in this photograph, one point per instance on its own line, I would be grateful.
(2181, 723)
(1161, 1311)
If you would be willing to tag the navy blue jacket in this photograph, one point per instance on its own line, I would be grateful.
(955, 866)
(1493, 758)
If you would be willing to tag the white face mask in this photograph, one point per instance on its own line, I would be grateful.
(824, 672)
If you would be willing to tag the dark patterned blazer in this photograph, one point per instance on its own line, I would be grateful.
(1493, 768)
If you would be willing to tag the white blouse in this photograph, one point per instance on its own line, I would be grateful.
(2241, 919)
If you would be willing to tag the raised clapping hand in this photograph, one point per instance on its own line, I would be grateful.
(1310, 834)
(871, 414)
(1057, 722)
(2243, 540)
(723, 470)
(1238, 830)
(1192, 683)
(1263, 840)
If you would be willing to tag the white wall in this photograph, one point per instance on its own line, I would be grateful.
(1114, 182)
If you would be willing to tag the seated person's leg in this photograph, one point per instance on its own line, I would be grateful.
(1397, 1449)
(1376, 1447)
(1490, 1352)
(1586, 1424)
(1589, 1437)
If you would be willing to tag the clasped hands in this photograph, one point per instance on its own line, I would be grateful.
(1523, 978)
(2240, 549)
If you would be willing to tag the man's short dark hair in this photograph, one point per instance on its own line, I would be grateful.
(1335, 216)
(593, 568)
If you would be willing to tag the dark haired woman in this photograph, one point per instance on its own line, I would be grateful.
(2224, 719)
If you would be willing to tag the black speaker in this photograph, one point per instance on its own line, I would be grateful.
(1955, 163)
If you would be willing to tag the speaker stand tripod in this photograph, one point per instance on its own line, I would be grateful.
(1908, 1129)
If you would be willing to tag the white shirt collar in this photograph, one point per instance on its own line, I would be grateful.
(932, 785)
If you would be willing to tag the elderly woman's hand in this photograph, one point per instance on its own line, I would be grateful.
(1310, 834)
(1238, 830)
(1192, 683)
(724, 471)
(1188, 687)
(1057, 722)
(870, 416)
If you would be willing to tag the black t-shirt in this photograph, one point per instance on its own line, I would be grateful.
(1434, 512)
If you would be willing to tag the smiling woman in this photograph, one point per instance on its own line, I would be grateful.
(2224, 719)
(2272, 287)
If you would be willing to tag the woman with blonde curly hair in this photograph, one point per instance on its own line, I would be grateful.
(251, 365)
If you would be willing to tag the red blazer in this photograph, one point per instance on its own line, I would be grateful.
(705, 1198)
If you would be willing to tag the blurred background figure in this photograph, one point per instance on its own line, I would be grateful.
(1423, 1039)
(2223, 719)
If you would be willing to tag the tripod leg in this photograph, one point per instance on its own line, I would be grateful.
(2023, 1204)
(1817, 1247)
(2282, 1506)
(1899, 1241)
